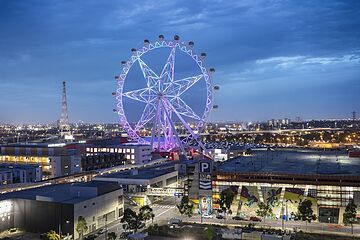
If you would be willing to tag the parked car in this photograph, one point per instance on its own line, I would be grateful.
(255, 219)
(174, 223)
(90, 237)
(207, 216)
(124, 235)
(246, 230)
(219, 216)
(238, 218)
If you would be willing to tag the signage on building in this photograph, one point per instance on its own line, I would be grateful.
(205, 170)
(205, 205)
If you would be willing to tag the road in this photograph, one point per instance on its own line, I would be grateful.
(166, 209)
(163, 211)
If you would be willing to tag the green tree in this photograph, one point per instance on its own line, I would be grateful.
(226, 199)
(52, 235)
(111, 236)
(210, 232)
(264, 210)
(350, 214)
(186, 207)
(81, 226)
(146, 213)
(131, 220)
(305, 212)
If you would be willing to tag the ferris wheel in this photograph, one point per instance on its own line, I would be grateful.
(164, 109)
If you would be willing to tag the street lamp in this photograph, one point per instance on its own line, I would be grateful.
(67, 229)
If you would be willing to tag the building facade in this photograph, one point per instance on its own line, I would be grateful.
(55, 160)
(19, 173)
(329, 194)
(58, 207)
(134, 153)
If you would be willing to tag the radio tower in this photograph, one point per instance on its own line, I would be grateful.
(64, 118)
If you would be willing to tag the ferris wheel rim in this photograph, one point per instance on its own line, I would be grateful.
(136, 56)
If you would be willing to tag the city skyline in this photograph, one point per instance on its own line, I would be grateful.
(303, 61)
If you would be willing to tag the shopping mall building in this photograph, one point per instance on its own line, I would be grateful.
(283, 178)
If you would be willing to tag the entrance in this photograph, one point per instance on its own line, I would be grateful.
(328, 215)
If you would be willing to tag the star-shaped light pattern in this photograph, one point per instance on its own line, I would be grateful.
(162, 97)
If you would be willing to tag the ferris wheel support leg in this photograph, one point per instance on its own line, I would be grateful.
(154, 126)
(188, 128)
(174, 130)
(158, 126)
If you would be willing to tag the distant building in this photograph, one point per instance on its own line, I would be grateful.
(132, 152)
(143, 183)
(19, 173)
(219, 154)
(55, 160)
(58, 207)
(235, 151)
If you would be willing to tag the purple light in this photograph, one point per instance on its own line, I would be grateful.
(162, 97)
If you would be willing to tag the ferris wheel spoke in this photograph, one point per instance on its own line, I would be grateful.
(182, 85)
(194, 136)
(149, 75)
(167, 74)
(145, 95)
(146, 116)
(182, 108)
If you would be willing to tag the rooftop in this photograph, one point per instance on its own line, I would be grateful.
(143, 173)
(293, 162)
(69, 193)
(18, 166)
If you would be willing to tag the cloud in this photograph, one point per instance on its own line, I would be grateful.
(261, 49)
(284, 62)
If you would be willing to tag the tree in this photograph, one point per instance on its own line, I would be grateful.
(248, 151)
(210, 232)
(131, 220)
(185, 207)
(264, 210)
(146, 213)
(111, 236)
(226, 199)
(305, 212)
(350, 214)
(81, 226)
(52, 235)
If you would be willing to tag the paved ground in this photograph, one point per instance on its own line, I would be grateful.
(166, 209)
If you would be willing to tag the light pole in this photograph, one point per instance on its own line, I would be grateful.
(106, 229)
(67, 228)
(282, 217)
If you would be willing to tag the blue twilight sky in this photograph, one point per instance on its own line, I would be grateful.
(273, 58)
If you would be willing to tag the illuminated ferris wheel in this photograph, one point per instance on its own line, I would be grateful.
(165, 111)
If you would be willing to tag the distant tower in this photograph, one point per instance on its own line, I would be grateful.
(64, 118)
(353, 118)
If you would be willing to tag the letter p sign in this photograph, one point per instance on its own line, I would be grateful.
(205, 167)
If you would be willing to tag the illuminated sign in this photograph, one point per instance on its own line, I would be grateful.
(205, 167)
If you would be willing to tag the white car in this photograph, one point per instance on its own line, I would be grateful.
(207, 216)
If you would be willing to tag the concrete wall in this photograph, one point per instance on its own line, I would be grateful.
(41, 216)
(97, 210)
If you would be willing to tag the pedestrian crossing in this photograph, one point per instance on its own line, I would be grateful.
(162, 206)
